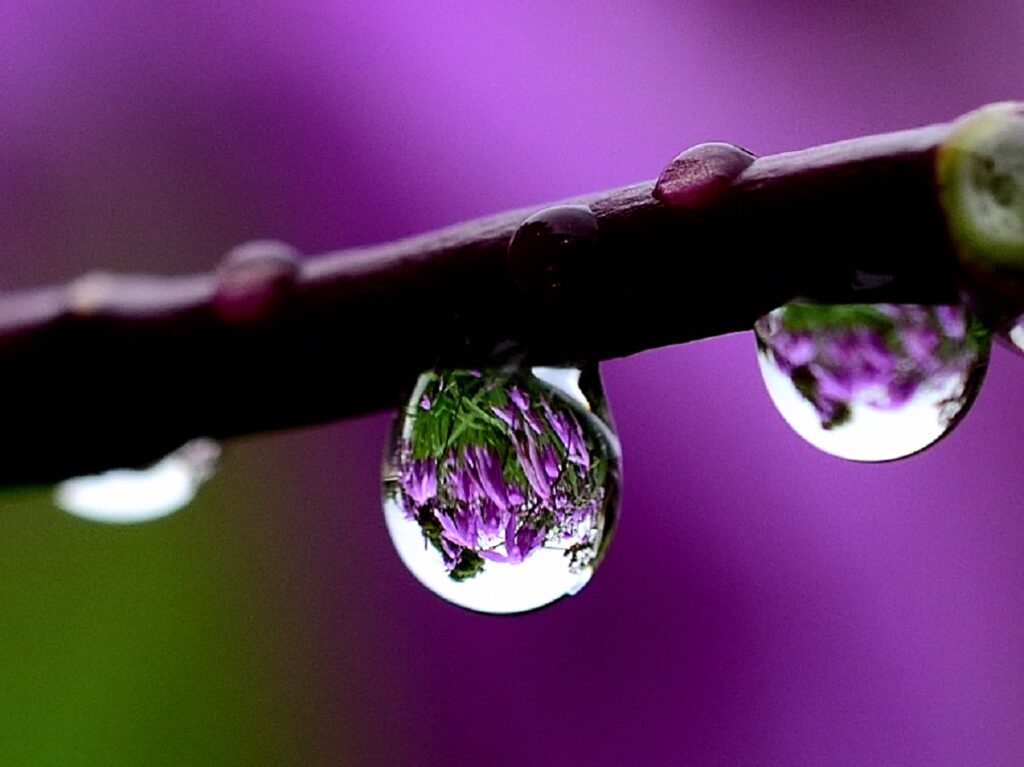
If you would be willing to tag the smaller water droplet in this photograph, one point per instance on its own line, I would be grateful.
(126, 496)
(555, 251)
(871, 382)
(501, 486)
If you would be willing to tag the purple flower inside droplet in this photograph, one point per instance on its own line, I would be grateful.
(519, 397)
(506, 414)
(419, 480)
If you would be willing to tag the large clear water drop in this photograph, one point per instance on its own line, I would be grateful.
(871, 382)
(125, 496)
(501, 487)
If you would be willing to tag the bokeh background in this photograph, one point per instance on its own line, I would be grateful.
(762, 603)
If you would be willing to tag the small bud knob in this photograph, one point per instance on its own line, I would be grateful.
(701, 174)
(254, 280)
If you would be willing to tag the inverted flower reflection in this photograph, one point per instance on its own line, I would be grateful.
(871, 382)
(500, 487)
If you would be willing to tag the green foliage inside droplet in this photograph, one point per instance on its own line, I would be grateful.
(979, 336)
(841, 414)
(823, 319)
(459, 414)
(807, 317)
(469, 565)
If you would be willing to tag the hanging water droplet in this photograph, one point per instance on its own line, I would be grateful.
(501, 488)
(125, 496)
(871, 382)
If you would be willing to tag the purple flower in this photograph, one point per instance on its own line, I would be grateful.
(577, 448)
(459, 527)
(463, 484)
(519, 397)
(899, 391)
(419, 480)
(518, 545)
(879, 356)
(833, 384)
(793, 350)
(451, 553)
(559, 425)
(855, 359)
(529, 459)
(921, 342)
(953, 320)
(567, 429)
(408, 509)
(527, 540)
(550, 462)
(506, 414)
(492, 519)
(488, 470)
(873, 354)
(533, 421)
(462, 498)
(578, 517)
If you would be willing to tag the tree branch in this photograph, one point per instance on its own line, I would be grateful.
(119, 370)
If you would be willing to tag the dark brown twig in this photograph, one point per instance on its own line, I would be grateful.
(119, 370)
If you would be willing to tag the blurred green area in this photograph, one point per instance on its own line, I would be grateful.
(152, 643)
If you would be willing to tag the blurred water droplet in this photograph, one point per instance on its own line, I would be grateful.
(501, 487)
(871, 382)
(125, 496)
(1012, 334)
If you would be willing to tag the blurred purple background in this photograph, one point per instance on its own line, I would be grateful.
(762, 604)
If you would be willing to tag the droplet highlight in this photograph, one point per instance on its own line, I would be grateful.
(501, 487)
(871, 382)
(127, 496)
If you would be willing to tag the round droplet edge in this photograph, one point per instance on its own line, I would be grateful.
(600, 415)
